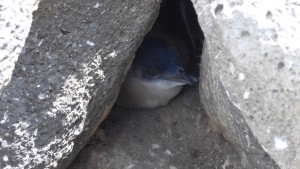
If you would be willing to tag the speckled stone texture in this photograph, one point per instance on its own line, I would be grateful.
(67, 76)
(15, 22)
(250, 74)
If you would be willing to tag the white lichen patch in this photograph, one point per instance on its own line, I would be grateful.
(280, 143)
(97, 5)
(155, 146)
(90, 43)
(102, 12)
(5, 158)
(113, 54)
(40, 42)
(26, 139)
(98, 73)
(42, 96)
(168, 152)
(4, 118)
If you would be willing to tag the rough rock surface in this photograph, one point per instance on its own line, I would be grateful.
(67, 76)
(177, 136)
(251, 74)
(15, 22)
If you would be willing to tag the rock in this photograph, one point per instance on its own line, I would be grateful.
(15, 21)
(250, 76)
(67, 77)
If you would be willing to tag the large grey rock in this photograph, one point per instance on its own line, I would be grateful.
(250, 75)
(67, 77)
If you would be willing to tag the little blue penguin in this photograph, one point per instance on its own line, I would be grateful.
(156, 76)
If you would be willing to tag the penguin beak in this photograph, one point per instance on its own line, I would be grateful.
(184, 78)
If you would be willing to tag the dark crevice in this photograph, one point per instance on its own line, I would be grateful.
(169, 55)
(178, 19)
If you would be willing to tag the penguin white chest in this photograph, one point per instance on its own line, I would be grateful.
(147, 94)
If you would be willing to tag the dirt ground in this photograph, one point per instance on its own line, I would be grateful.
(177, 136)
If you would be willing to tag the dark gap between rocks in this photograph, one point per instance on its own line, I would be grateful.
(168, 56)
(175, 136)
(179, 19)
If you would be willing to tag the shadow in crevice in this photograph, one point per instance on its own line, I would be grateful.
(167, 59)
(179, 21)
(177, 135)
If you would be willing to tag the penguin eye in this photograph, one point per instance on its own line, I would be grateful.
(151, 72)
